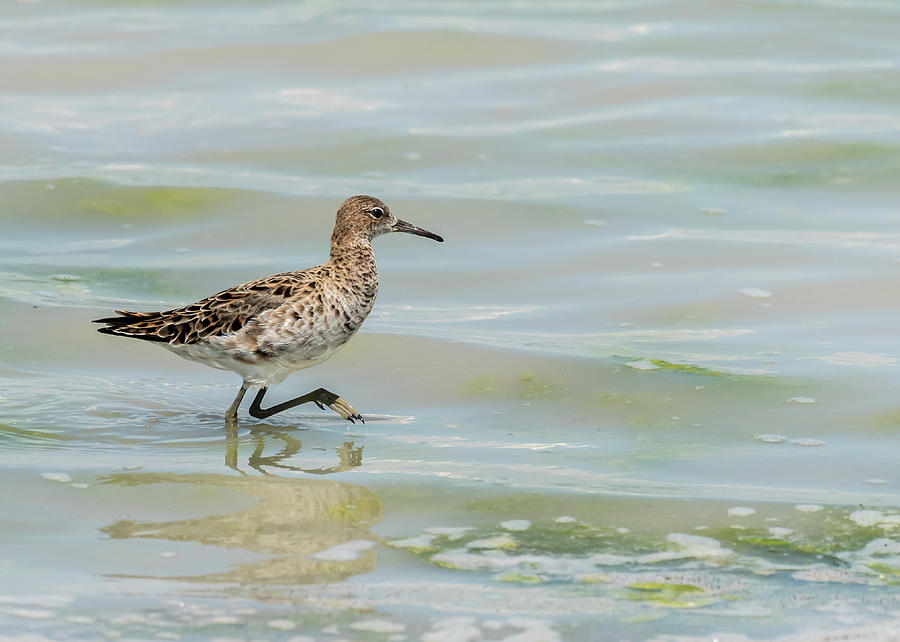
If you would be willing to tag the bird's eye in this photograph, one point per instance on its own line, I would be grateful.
(376, 212)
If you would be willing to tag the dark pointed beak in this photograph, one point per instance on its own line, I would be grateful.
(403, 226)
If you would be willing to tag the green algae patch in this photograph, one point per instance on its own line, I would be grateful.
(498, 542)
(593, 578)
(686, 368)
(689, 368)
(520, 578)
(480, 386)
(533, 388)
(889, 574)
(679, 596)
(151, 202)
(526, 386)
(886, 422)
(445, 564)
(819, 539)
(572, 539)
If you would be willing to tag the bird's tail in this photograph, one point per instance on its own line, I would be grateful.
(138, 325)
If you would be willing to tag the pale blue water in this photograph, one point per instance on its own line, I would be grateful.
(647, 389)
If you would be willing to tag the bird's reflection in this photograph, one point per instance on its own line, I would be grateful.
(291, 520)
(349, 454)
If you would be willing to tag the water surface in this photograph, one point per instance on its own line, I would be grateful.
(647, 386)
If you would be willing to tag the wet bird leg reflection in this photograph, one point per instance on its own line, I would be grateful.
(231, 447)
(349, 454)
(291, 447)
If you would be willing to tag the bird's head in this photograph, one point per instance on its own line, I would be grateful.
(365, 217)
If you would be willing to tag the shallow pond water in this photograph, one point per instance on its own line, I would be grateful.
(647, 389)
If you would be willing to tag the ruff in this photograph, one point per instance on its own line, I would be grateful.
(268, 328)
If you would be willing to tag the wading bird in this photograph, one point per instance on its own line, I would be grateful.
(266, 329)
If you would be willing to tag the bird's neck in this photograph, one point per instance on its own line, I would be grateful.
(350, 249)
(354, 261)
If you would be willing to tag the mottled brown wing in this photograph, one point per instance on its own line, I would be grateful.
(222, 313)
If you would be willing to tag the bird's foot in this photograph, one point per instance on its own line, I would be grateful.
(339, 405)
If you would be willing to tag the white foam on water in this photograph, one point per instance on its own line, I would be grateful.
(451, 532)
(79, 619)
(41, 601)
(881, 547)
(466, 629)
(801, 400)
(808, 442)
(344, 552)
(836, 575)
(770, 438)
(282, 624)
(316, 100)
(124, 167)
(698, 546)
(565, 519)
(378, 626)
(874, 518)
(224, 619)
(642, 365)
(444, 314)
(610, 559)
(516, 525)
(498, 561)
(683, 66)
(419, 541)
(877, 240)
(808, 508)
(741, 511)
(858, 359)
(755, 293)
(531, 631)
(780, 531)
(500, 541)
(58, 477)
(661, 556)
(30, 614)
(454, 629)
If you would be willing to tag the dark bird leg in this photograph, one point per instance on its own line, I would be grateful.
(231, 413)
(320, 397)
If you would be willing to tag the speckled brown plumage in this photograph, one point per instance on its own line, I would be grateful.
(223, 313)
(267, 328)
